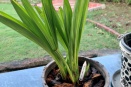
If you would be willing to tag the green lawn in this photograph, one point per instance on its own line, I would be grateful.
(116, 16)
(14, 46)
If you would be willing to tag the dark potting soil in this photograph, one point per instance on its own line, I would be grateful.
(129, 43)
(93, 78)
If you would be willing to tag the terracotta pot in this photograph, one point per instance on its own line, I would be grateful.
(95, 64)
(125, 45)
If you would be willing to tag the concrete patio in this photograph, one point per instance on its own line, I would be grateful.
(33, 77)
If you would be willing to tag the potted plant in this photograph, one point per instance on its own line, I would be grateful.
(125, 45)
(47, 28)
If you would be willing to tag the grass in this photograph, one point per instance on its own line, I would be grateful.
(14, 46)
(128, 2)
(95, 38)
(116, 16)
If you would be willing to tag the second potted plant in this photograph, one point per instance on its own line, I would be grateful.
(47, 28)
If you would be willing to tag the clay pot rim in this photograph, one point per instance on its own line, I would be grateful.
(106, 77)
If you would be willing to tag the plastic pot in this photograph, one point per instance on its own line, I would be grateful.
(93, 63)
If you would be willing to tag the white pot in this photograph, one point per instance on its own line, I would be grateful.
(125, 45)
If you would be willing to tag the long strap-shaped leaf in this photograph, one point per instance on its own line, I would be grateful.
(49, 10)
(67, 15)
(22, 29)
(47, 18)
(26, 19)
(32, 13)
(78, 20)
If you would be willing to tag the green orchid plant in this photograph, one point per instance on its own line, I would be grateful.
(47, 27)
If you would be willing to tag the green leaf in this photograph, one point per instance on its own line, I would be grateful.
(49, 9)
(67, 14)
(22, 29)
(26, 19)
(38, 21)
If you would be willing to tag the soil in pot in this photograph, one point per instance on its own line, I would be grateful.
(93, 78)
(127, 39)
